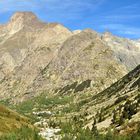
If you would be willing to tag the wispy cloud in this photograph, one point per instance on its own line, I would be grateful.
(122, 17)
(123, 13)
(123, 29)
(131, 7)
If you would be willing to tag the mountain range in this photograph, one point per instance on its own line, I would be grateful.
(89, 71)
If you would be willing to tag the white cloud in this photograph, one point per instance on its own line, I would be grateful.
(123, 29)
(122, 17)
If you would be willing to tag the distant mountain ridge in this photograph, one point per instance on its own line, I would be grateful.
(37, 56)
(126, 51)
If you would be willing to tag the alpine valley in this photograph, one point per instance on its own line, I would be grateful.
(58, 84)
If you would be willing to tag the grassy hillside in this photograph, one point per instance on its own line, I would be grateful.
(113, 112)
(14, 126)
(10, 120)
(72, 120)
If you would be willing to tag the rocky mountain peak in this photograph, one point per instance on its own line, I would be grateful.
(24, 17)
(107, 34)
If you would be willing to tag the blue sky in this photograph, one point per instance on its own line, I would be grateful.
(121, 17)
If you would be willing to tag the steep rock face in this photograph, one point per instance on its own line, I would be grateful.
(27, 50)
(15, 39)
(126, 51)
(22, 35)
(26, 20)
(81, 57)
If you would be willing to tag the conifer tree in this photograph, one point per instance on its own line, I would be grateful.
(121, 120)
(114, 117)
(94, 129)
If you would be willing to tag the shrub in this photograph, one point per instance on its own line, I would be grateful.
(120, 99)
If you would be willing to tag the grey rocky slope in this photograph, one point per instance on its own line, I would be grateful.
(81, 57)
(37, 56)
(126, 51)
(22, 35)
(40, 42)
